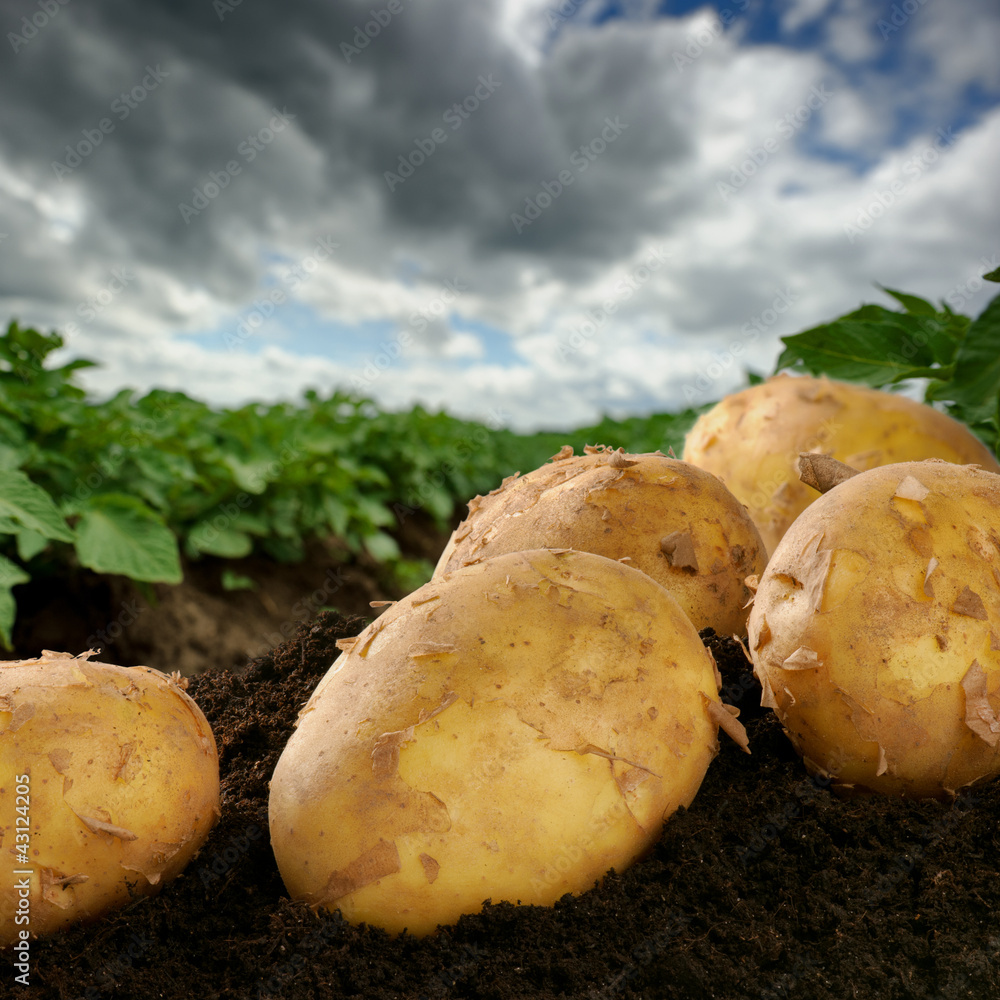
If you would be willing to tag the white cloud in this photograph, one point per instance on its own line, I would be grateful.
(958, 42)
(850, 31)
(799, 13)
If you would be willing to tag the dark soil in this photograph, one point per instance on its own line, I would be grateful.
(199, 625)
(768, 886)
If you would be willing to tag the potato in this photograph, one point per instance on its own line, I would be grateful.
(509, 731)
(673, 521)
(875, 630)
(113, 774)
(751, 439)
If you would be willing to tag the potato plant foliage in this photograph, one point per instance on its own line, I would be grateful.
(126, 485)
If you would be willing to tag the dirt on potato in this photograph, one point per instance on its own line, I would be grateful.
(767, 887)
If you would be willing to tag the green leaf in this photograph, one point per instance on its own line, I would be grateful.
(374, 511)
(252, 476)
(974, 387)
(911, 303)
(412, 573)
(30, 543)
(117, 533)
(993, 275)
(873, 345)
(10, 576)
(237, 581)
(10, 457)
(439, 503)
(284, 550)
(337, 514)
(381, 546)
(31, 506)
(227, 542)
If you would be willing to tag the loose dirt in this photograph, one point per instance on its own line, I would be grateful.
(199, 624)
(768, 886)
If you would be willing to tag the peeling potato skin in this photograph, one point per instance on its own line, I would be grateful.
(673, 521)
(509, 731)
(751, 439)
(875, 630)
(124, 785)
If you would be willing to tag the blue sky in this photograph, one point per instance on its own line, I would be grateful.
(548, 211)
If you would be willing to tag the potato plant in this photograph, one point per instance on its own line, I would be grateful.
(131, 484)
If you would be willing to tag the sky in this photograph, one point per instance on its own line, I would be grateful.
(524, 212)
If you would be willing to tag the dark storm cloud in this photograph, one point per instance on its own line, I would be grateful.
(187, 87)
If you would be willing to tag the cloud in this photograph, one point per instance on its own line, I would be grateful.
(474, 184)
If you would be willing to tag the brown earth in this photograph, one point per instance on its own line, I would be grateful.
(198, 625)
(767, 887)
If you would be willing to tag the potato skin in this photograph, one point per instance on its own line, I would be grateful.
(875, 631)
(676, 522)
(509, 731)
(751, 439)
(124, 785)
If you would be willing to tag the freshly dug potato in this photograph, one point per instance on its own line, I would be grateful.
(509, 731)
(751, 439)
(110, 782)
(875, 631)
(673, 521)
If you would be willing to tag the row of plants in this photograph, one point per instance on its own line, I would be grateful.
(128, 485)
